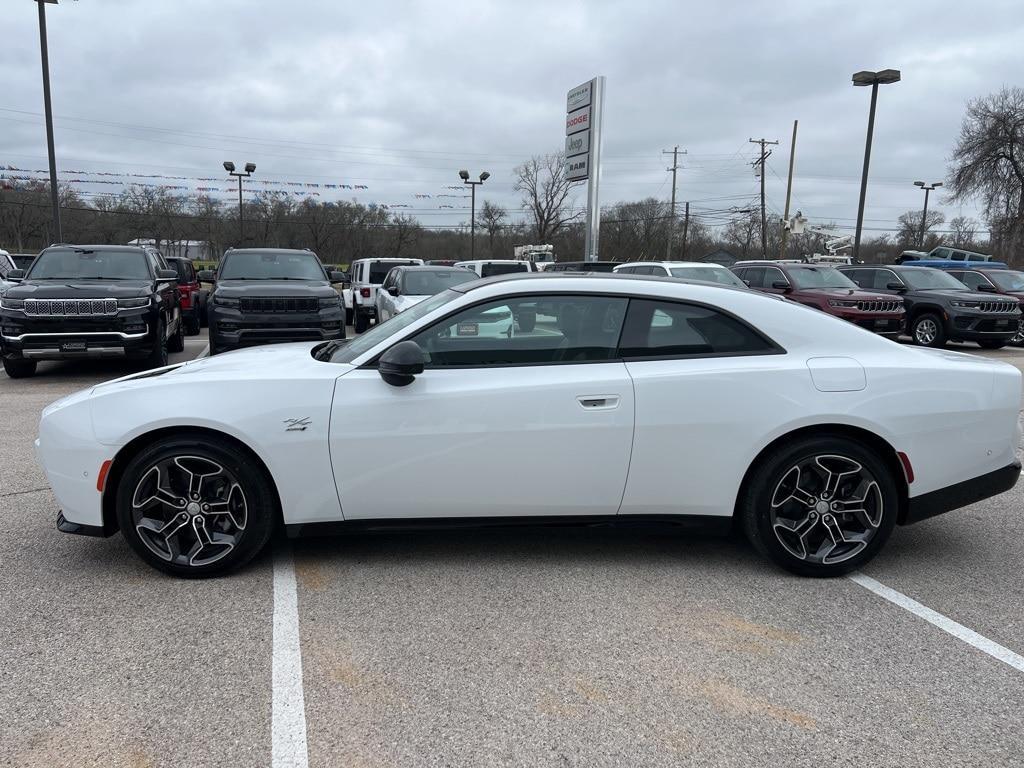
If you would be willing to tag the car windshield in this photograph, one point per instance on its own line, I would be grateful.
(427, 283)
(819, 277)
(350, 350)
(708, 274)
(1008, 280)
(379, 270)
(86, 263)
(928, 279)
(271, 265)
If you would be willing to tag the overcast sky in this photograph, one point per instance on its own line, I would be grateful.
(397, 96)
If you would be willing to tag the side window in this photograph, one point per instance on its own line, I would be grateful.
(773, 275)
(660, 271)
(755, 277)
(975, 257)
(942, 253)
(859, 276)
(971, 279)
(5, 268)
(959, 256)
(526, 330)
(883, 277)
(668, 329)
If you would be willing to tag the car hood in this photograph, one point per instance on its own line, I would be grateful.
(274, 288)
(79, 289)
(409, 301)
(966, 293)
(849, 293)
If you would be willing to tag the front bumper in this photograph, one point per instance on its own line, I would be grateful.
(961, 494)
(232, 329)
(128, 334)
(983, 327)
(887, 324)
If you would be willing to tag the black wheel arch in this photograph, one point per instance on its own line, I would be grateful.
(865, 437)
(927, 309)
(124, 456)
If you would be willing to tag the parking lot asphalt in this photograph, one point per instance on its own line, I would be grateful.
(562, 647)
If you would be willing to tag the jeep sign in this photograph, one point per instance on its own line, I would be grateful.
(577, 144)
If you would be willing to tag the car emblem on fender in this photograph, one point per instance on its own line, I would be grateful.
(297, 425)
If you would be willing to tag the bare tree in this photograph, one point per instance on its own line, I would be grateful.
(965, 230)
(545, 189)
(405, 230)
(909, 233)
(492, 216)
(988, 164)
(743, 232)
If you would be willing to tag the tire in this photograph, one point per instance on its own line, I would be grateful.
(927, 331)
(776, 514)
(193, 324)
(204, 318)
(177, 342)
(158, 356)
(348, 316)
(362, 321)
(201, 542)
(1018, 339)
(991, 344)
(19, 367)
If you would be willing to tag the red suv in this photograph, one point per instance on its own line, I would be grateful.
(826, 288)
(188, 290)
(1008, 282)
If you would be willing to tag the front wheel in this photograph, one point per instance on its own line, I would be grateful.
(991, 344)
(927, 330)
(195, 507)
(19, 367)
(158, 355)
(821, 506)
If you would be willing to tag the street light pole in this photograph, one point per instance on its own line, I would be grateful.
(924, 213)
(249, 168)
(874, 79)
(54, 193)
(464, 175)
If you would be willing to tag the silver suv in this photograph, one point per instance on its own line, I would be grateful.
(367, 277)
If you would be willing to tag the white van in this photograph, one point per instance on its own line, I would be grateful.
(491, 267)
(367, 277)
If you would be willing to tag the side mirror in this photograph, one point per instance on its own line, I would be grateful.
(167, 274)
(896, 287)
(16, 275)
(401, 364)
(337, 277)
(207, 276)
(393, 290)
(746, 283)
(987, 288)
(780, 285)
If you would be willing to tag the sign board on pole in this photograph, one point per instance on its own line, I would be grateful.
(577, 144)
(583, 108)
(577, 168)
(577, 120)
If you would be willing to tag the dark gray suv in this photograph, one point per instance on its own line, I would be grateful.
(267, 295)
(939, 308)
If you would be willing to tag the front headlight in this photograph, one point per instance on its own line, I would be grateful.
(133, 303)
(226, 301)
(328, 302)
(965, 304)
(845, 303)
(6, 303)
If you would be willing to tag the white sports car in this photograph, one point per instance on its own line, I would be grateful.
(626, 398)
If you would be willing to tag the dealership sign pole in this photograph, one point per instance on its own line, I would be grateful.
(584, 106)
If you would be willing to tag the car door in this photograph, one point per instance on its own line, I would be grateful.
(773, 275)
(503, 421)
(704, 381)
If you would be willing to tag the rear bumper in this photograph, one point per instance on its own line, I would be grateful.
(962, 494)
(66, 526)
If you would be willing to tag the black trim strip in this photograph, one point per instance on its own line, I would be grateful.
(961, 494)
(66, 526)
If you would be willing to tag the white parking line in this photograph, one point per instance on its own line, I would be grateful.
(288, 705)
(969, 636)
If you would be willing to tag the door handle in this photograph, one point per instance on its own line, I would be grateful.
(598, 402)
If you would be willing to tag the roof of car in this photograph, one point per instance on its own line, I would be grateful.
(429, 268)
(672, 263)
(269, 250)
(524, 277)
(76, 247)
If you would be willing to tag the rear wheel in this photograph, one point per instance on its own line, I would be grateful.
(19, 367)
(991, 344)
(192, 323)
(177, 342)
(821, 506)
(927, 330)
(195, 507)
(362, 321)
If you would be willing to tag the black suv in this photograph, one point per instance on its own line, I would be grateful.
(266, 295)
(939, 307)
(91, 301)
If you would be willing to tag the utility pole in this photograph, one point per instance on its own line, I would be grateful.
(52, 155)
(764, 221)
(789, 192)
(672, 210)
(686, 226)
